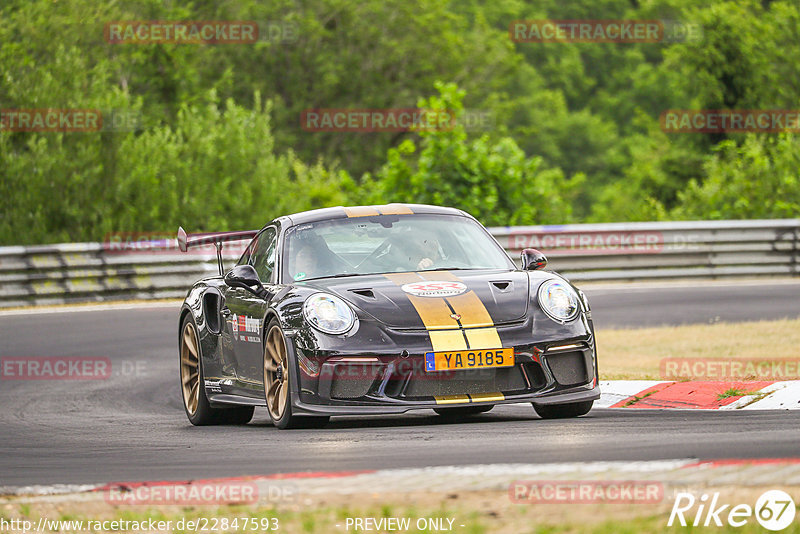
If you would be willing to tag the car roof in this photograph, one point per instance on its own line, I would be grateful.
(342, 212)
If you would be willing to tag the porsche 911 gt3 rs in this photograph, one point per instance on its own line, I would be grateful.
(381, 310)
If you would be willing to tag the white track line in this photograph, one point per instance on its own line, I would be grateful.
(67, 308)
(778, 396)
(599, 287)
(614, 391)
(489, 477)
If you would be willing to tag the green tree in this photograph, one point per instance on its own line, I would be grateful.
(759, 180)
(492, 180)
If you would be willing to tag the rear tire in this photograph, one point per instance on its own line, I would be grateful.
(278, 379)
(563, 411)
(193, 391)
(462, 411)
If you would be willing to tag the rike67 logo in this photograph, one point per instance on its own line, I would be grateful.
(774, 510)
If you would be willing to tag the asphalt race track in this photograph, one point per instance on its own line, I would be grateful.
(132, 426)
(639, 305)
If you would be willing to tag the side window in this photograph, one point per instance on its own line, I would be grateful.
(245, 259)
(262, 257)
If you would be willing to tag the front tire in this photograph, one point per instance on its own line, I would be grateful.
(278, 379)
(563, 411)
(193, 391)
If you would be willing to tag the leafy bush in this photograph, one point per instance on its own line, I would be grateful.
(758, 180)
(491, 179)
(576, 134)
(213, 169)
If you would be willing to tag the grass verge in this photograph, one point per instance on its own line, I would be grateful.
(471, 512)
(636, 353)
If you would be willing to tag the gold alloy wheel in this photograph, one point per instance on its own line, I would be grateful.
(276, 373)
(190, 371)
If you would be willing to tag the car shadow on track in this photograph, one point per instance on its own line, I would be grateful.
(420, 420)
(425, 419)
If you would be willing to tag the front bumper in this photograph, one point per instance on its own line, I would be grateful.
(549, 373)
(579, 394)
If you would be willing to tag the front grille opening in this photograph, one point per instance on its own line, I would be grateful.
(569, 368)
(352, 382)
(396, 381)
(468, 382)
(536, 375)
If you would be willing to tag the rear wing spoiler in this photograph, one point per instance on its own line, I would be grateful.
(187, 241)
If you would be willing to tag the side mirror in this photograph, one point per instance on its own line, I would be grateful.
(245, 277)
(533, 260)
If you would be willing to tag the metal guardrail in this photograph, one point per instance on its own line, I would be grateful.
(79, 272)
(663, 250)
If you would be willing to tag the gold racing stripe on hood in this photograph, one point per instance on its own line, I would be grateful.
(478, 324)
(445, 332)
(435, 315)
(434, 312)
(442, 340)
(483, 338)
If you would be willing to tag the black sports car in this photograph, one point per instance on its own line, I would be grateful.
(379, 310)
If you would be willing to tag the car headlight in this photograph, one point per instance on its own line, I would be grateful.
(328, 313)
(558, 300)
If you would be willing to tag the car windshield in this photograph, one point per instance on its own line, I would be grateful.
(389, 243)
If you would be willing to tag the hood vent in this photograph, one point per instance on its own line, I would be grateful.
(503, 285)
(366, 293)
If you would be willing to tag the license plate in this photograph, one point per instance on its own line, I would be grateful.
(468, 359)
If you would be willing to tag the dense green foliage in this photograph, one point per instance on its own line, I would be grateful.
(575, 136)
